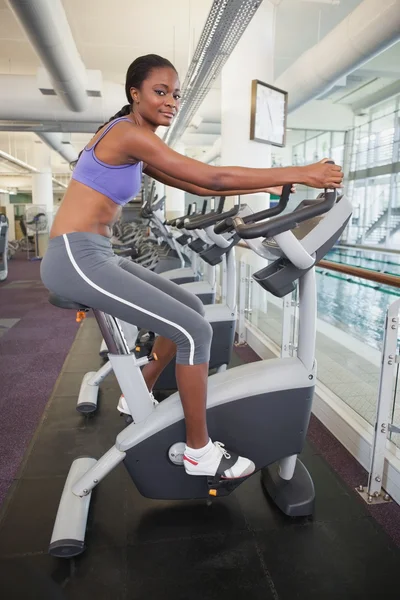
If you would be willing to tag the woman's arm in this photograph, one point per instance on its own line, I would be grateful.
(195, 189)
(141, 144)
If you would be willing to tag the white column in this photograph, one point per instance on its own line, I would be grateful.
(160, 189)
(5, 201)
(42, 188)
(42, 185)
(161, 192)
(251, 59)
(175, 199)
(175, 202)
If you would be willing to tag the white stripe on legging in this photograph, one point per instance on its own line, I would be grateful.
(139, 308)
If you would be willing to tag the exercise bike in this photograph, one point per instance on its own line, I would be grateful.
(260, 410)
(3, 247)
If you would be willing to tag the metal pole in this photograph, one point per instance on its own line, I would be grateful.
(389, 208)
(395, 156)
(286, 326)
(240, 325)
(224, 279)
(248, 308)
(366, 220)
(112, 333)
(373, 492)
(347, 160)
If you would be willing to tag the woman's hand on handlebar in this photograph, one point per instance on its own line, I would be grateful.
(277, 190)
(322, 175)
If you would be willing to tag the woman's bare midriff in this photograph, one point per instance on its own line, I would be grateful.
(84, 209)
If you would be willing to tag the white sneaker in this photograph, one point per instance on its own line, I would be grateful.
(217, 460)
(123, 407)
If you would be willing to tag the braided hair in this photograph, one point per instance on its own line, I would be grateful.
(137, 73)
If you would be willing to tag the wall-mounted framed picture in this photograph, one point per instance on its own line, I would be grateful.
(268, 114)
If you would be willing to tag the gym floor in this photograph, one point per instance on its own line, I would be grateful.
(241, 546)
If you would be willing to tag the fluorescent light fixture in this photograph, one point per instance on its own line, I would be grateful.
(24, 165)
(18, 162)
(10, 192)
(223, 29)
(196, 121)
(331, 2)
(63, 185)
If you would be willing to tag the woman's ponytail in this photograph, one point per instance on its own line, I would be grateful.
(124, 112)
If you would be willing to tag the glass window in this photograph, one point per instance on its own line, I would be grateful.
(362, 148)
(324, 145)
(337, 154)
(311, 151)
(396, 191)
(386, 108)
(299, 154)
(381, 138)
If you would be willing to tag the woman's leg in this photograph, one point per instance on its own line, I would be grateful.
(165, 351)
(182, 309)
(83, 273)
(202, 457)
(192, 385)
(191, 379)
(163, 348)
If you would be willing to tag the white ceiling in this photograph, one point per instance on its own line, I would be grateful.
(302, 24)
(109, 34)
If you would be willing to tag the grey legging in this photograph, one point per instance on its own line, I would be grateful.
(82, 267)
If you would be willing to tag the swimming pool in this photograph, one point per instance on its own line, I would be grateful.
(355, 305)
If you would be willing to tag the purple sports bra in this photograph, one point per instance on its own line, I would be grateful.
(120, 183)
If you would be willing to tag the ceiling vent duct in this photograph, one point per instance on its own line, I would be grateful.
(55, 141)
(22, 168)
(8, 158)
(372, 27)
(46, 26)
(224, 27)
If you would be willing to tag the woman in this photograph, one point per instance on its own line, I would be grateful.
(80, 264)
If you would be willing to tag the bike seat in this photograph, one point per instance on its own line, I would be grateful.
(65, 303)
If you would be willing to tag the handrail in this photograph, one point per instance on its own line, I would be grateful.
(376, 270)
(382, 278)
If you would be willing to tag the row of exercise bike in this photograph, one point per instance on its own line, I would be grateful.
(262, 408)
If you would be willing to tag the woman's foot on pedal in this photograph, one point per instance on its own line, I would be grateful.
(213, 459)
(123, 407)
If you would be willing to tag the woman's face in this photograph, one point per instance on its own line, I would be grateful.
(158, 100)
